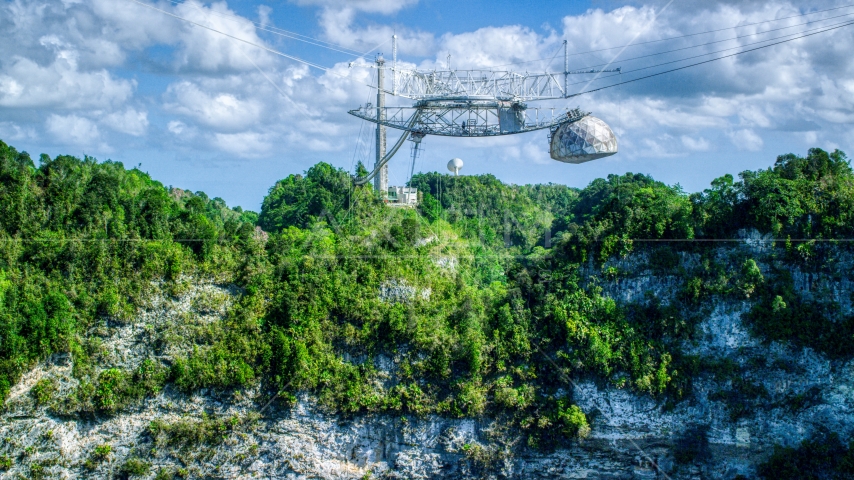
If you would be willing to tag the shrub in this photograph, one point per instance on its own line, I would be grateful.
(573, 421)
(822, 457)
(102, 452)
(54, 286)
(751, 277)
(111, 390)
(43, 390)
(37, 471)
(781, 314)
(184, 433)
(164, 474)
(135, 466)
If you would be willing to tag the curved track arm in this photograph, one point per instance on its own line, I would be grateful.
(367, 178)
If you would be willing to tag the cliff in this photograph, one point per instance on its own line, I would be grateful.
(718, 431)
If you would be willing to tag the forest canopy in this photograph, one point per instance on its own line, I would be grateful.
(493, 306)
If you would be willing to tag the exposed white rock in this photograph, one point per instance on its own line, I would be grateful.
(425, 241)
(447, 263)
(632, 436)
(400, 291)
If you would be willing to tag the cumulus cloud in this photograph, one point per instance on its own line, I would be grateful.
(132, 26)
(210, 51)
(176, 127)
(130, 121)
(746, 139)
(376, 6)
(663, 145)
(74, 130)
(338, 28)
(698, 144)
(10, 131)
(69, 70)
(491, 46)
(218, 110)
(244, 144)
(26, 84)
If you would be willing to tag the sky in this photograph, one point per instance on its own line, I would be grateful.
(198, 110)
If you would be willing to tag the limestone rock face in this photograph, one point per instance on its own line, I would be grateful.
(633, 436)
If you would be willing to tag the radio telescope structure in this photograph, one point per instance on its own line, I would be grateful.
(479, 103)
(488, 103)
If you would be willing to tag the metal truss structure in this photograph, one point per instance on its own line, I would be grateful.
(466, 118)
(475, 84)
(463, 103)
(482, 84)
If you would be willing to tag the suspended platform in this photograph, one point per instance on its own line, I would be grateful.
(479, 103)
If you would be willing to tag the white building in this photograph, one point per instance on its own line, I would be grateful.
(403, 196)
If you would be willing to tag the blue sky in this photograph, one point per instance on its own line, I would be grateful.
(112, 79)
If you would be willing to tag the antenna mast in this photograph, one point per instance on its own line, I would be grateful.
(565, 69)
(394, 64)
(381, 180)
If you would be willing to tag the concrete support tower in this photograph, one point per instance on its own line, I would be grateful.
(565, 68)
(381, 180)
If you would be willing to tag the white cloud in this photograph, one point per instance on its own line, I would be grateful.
(176, 127)
(70, 67)
(26, 84)
(315, 143)
(597, 30)
(74, 130)
(376, 6)
(746, 139)
(662, 146)
(131, 122)
(810, 137)
(185, 134)
(10, 131)
(244, 144)
(197, 49)
(218, 110)
(134, 26)
(698, 144)
(752, 115)
(264, 15)
(209, 51)
(491, 46)
(338, 28)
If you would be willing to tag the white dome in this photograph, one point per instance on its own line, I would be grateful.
(587, 139)
(455, 165)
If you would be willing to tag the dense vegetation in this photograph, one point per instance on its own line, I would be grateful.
(485, 299)
(81, 241)
(823, 457)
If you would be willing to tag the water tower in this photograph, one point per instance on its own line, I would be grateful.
(455, 165)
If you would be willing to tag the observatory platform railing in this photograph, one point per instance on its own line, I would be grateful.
(468, 118)
(501, 85)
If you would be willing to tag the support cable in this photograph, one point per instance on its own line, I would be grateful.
(813, 32)
(299, 107)
(263, 47)
(687, 35)
(288, 34)
(363, 180)
(731, 39)
(706, 61)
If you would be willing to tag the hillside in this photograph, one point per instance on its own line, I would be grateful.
(498, 331)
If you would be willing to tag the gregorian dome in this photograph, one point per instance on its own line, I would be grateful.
(587, 139)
